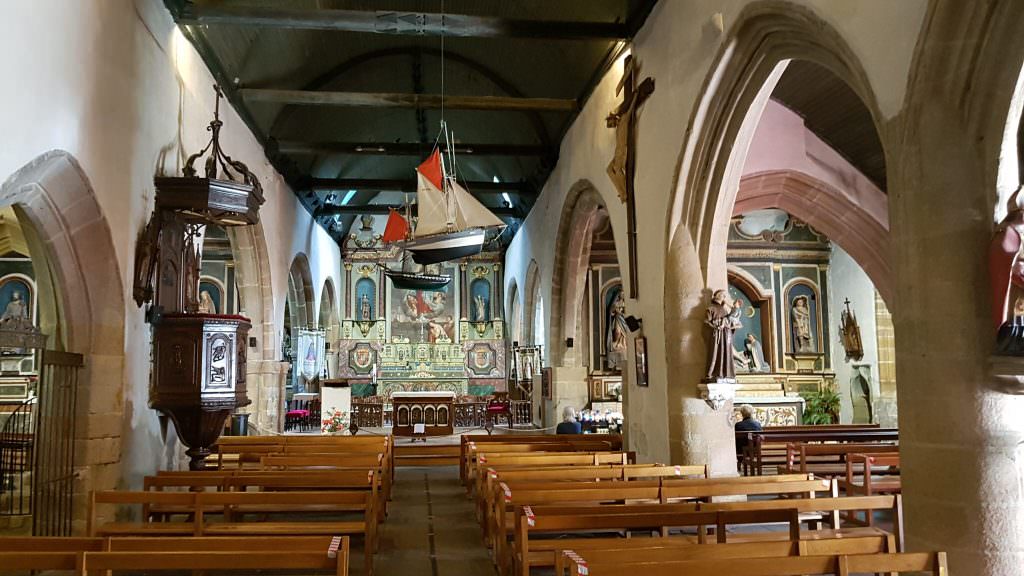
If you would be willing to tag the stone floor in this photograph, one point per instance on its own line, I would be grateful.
(431, 529)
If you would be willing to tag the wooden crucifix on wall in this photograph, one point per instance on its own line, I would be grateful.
(622, 168)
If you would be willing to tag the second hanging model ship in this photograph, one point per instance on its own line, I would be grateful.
(451, 224)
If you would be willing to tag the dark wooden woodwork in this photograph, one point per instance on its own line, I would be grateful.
(335, 209)
(227, 202)
(435, 411)
(401, 23)
(399, 100)
(200, 364)
(419, 149)
(409, 185)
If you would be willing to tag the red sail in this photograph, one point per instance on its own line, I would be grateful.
(397, 228)
(431, 169)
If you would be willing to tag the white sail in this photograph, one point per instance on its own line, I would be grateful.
(469, 212)
(432, 208)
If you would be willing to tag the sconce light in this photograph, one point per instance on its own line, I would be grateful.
(633, 323)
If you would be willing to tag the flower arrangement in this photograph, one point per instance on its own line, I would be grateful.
(336, 421)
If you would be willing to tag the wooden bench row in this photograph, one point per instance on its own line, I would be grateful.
(246, 480)
(768, 559)
(767, 448)
(578, 528)
(82, 555)
(233, 509)
(481, 460)
(533, 442)
(485, 493)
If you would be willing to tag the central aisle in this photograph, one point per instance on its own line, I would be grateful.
(431, 529)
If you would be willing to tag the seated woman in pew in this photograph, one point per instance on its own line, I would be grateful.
(569, 425)
(748, 424)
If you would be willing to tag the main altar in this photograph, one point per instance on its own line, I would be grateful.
(395, 340)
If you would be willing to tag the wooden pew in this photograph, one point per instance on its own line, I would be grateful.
(499, 523)
(743, 438)
(591, 520)
(321, 461)
(620, 555)
(831, 510)
(868, 484)
(234, 506)
(485, 498)
(843, 565)
(769, 448)
(82, 554)
(611, 441)
(473, 449)
(542, 459)
(314, 481)
(237, 448)
(684, 490)
(827, 459)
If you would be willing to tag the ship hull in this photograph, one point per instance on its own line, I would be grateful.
(444, 247)
(412, 281)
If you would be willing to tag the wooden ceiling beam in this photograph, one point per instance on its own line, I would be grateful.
(408, 148)
(400, 23)
(337, 209)
(408, 185)
(401, 100)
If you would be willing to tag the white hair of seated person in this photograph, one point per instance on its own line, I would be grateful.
(747, 411)
(568, 414)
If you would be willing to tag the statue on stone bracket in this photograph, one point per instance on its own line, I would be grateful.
(722, 321)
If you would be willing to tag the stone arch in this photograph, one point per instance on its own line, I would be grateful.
(829, 211)
(766, 36)
(53, 193)
(514, 312)
(530, 300)
(327, 316)
(753, 57)
(300, 293)
(580, 212)
(253, 281)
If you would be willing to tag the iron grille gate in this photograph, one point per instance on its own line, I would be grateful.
(37, 448)
(53, 467)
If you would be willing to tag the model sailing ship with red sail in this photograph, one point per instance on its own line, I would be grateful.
(451, 224)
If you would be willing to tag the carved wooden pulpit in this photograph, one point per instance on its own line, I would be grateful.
(199, 359)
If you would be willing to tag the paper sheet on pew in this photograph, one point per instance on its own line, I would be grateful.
(531, 518)
(332, 550)
(581, 564)
(508, 493)
(419, 428)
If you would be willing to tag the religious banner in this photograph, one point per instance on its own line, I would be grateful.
(310, 353)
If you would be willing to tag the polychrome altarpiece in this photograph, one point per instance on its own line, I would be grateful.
(395, 340)
(778, 279)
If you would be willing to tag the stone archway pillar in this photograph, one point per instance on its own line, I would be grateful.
(961, 441)
(698, 433)
(266, 384)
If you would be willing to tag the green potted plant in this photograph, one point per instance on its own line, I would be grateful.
(821, 407)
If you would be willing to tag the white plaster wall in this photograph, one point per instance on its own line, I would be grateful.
(846, 280)
(677, 46)
(113, 83)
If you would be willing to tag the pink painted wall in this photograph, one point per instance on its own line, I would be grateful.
(782, 142)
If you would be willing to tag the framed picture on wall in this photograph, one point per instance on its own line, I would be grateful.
(545, 383)
(641, 361)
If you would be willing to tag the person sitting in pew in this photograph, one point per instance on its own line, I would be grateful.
(569, 425)
(748, 424)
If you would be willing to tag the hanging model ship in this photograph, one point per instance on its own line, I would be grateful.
(451, 224)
